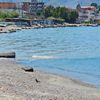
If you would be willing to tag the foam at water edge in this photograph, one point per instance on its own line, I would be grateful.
(44, 57)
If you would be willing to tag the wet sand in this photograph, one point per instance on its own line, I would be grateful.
(16, 84)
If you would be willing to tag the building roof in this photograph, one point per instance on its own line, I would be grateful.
(7, 5)
(88, 7)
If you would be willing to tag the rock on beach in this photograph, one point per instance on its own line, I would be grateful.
(28, 69)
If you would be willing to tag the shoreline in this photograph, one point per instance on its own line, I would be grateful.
(76, 81)
(14, 28)
(17, 84)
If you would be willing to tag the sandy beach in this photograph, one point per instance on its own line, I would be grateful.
(16, 84)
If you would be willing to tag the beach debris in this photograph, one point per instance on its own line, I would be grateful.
(7, 55)
(37, 81)
(12, 30)
(28, 69)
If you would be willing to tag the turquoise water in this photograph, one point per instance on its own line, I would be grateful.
(70, 51)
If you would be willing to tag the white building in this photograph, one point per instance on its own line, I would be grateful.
(86, 13)
(33, 7)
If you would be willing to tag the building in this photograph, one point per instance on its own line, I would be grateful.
(7, 6)
(19, 21)
(86, 13)
(33, 7)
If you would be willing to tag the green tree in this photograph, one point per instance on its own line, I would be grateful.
(94, 4)
(63, 13)
(73, 15)
(98, 8)
(12, 15)
(48, 11)
(4, 15)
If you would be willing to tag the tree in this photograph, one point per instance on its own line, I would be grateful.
(73, 15)
(98, 8)
(48, 11)
(56, 12)
(13, 14)
(4, 15)
(94, 4)
(63, 13)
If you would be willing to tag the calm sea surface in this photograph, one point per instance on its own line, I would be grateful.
(70, 51)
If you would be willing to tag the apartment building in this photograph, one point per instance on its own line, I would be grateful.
(7, 6)
(32, 7)
(86, 13)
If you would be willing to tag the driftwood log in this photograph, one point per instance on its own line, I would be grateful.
(7, 55)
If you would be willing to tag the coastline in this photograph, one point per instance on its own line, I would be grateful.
(17, 84)
(14, 28)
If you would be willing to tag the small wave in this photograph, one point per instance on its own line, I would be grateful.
(43, 57)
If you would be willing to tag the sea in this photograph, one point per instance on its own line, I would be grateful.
(66, 51)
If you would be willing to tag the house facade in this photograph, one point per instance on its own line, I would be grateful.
(7, 6)
(86, 13)
(32, 7)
